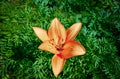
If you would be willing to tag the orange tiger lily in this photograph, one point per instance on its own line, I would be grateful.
(60, 42)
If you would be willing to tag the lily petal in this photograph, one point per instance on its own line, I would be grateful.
(73, 31)
(57, 32)
(57, 65)
(47, 46)
(73, 48)
(41, 33)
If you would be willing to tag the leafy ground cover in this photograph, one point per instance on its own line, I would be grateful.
(20, 57)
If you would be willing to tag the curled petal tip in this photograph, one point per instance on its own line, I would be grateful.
(55, 19)
(79, 23)
(56, 75)
(34, 28)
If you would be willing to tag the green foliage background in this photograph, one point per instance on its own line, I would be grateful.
(20, 57)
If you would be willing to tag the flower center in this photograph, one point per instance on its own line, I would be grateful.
(61, 56)
(59, 47)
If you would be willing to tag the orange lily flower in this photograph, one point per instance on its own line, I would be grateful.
(60, 42)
